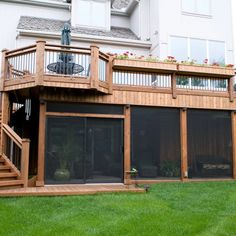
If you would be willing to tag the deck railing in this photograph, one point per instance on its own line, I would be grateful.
(49, 65)
(43, 64)
(15, 151)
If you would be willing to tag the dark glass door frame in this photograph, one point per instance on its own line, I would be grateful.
(86, 116)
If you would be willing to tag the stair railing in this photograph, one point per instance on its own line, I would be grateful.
(15, 151)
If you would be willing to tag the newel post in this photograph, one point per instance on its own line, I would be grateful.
(4, 69)
(25, 161)
(109, 73)
(173, 86)
(183, 140)
(231, 88)
(40, 50)
(94, 80)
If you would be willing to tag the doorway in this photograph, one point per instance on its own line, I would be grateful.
(83, 150)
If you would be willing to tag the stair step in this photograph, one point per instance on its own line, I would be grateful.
(2, 160)
(4, 167)
(11, 183)
(8, 175)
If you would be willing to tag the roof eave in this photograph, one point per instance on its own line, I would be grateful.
(88, 38)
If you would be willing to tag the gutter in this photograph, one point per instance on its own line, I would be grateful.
(87, 38)
(49, 3)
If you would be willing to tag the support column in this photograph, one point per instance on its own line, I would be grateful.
(233, 124)
(183, 138)
(25, 161)
(173, 85)
(41, 144)
(40, 49)
(94, 80)
(127, 144)
(4, 69)
(109, 73)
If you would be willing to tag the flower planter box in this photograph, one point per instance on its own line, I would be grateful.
(136, 64)
(209, 70)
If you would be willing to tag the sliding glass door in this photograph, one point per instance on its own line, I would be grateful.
(83, 150)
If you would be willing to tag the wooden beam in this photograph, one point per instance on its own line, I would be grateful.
(5, 117)
(40, 49)
(183, 138)
(4, 69)
(233, 125)
(127, 144)
(173, 85)
(94, 66)
(231, 89)
(110, 74)
(41, 144)
(25, 161)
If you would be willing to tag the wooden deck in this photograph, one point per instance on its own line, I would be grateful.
(68, 190)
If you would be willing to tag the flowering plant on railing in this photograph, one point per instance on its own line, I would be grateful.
(169, 59)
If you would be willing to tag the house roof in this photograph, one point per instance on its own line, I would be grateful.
(51, 25)
(119, 4)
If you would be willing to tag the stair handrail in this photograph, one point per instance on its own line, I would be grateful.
(24, 146)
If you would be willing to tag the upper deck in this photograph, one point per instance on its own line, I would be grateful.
(126, 81)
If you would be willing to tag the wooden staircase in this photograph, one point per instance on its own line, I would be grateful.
(9, 178)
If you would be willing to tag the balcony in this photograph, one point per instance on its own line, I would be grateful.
(39, 66)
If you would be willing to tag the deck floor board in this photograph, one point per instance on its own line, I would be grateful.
(64, 190)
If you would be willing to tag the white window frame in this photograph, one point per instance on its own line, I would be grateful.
(195, 12)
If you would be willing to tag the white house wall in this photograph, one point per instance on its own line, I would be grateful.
(120, 21)
(172, 22)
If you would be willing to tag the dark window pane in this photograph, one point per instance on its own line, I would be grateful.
(155, 142)
(209, 144)
(84, 108)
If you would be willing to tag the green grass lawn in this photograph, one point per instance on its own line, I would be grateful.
(168, 209)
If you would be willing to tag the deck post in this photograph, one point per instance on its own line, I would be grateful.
(109, 73)
(4, 69)
(173, 86)
(40, 49)
(25, 161)
(127, 157)
(94, 80)
(41, 144)
(233, 125)
(231, 89)
(183, 138)
(5, 116)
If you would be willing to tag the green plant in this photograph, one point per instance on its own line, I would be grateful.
(170, 168)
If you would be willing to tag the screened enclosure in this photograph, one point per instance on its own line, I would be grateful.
(155, 140)
(83, 150)
(209, 144)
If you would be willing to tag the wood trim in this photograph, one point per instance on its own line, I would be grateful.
(25, 161)
(109, 116)
(12, 166)
(94, 66)
(127, 144)
(5, 117)
(9, 53)
(183, 143)
(40, 49)
(233, 126)
(62, 49)
(4, 69)
(20, 53)
(11, 134)
(173, 86)
(153, 181)
(231, 89)
(66, 46)
(109, 74)
(41, 144)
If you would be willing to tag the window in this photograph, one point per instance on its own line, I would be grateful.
(217, 52)
(91, 13)
(184, 49)
(179, 48)
(200, 7)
